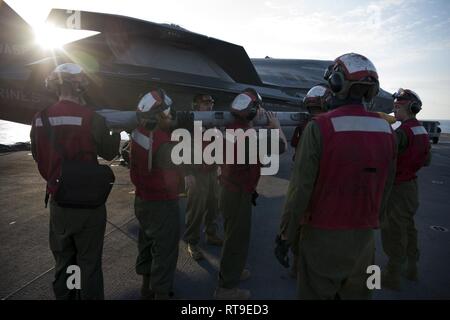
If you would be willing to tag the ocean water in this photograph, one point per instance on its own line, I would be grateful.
(445, 126)
(11, 132)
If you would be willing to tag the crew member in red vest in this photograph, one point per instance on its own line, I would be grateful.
(399, 234)
(317, 101)
(157, 183)
(202, 196)
(342, 176)
(76, 235)
(238, 191)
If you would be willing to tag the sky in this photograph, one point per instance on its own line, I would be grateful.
(407, 40)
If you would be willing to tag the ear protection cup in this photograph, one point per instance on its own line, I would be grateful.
(336, 82)
(162, 94)
(414, 107)
(254, 106)
(173, 113)
(373, 91)
(252, 114)
(150, 120)
(327, 103)
(151, 124)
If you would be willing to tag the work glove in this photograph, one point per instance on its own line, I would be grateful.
(281, 251)
(185, 120)
(390, 119)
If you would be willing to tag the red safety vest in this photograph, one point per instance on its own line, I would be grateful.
(158, 184)
(71, 124)
(239, 177)
(357, 149)
(415, 155)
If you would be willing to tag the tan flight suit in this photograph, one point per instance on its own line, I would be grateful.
(332, 263)
(236, 208)
(76, 235)
(202, 205)
(159, 233)
(285, 216)
(284, 223)
(398, 230)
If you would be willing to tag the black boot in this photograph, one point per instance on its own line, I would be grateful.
(411, 272)
(146, 292)
(390, 278)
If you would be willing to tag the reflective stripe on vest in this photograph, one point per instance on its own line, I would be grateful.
(61, 121)
(141, 139)
(419, 130)
(355, 123)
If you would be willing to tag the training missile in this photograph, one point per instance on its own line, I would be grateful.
(115, 119)
(219, 119)
(128, 120)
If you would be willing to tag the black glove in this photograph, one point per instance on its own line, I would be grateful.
(255, 196)
(281, 251)
(185, 119)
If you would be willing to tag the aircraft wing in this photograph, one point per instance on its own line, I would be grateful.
(147, 44)
(129, 55)
(297, 76)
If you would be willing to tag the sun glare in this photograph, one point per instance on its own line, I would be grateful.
(50, 37)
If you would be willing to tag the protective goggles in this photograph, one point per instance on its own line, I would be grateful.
(328, 72)
(404, 94)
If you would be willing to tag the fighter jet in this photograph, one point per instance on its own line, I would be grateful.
(127, 56)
